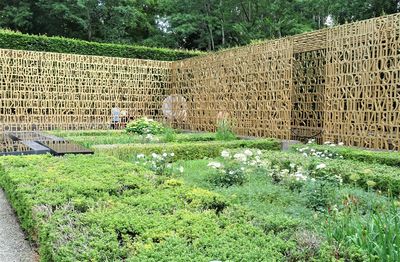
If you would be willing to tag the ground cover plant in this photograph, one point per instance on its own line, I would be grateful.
(287, 189)
(178, 200)
(379, 157)
(81, 208)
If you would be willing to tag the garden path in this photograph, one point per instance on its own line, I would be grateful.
(13, 245)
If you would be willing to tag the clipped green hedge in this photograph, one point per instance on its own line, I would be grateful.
(91, 138)
(387, 178)
(19, 41)
(379, 157)
(93, 208)
(185, 151)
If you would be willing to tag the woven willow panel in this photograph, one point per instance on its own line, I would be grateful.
(48, 90)
(308, 95)
(250, 86)
(363, 84)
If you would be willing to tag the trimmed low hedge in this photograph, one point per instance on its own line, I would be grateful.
(19, 41)
(93, 208)
(379, 157)
(185, 151)
(387, 178)
(91, 138)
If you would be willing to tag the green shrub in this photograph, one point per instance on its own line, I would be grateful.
(145, 126)
(169, 135)
(19, 41)
(362, 155)
(230, 175)
(385, 178)
(94, 208)
(88, 138)
(375, 235)
(224, 131)
(184, 151)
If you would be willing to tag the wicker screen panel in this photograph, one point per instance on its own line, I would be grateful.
(363, 84)
(308, 95)
(48, 90)
(249, 86)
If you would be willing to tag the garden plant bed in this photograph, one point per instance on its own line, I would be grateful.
(193, 200)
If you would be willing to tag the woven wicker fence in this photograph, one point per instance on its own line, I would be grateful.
(340, 84)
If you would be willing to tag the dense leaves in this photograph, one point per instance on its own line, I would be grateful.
(202, 24)
(82, 208)
(13, 40)
(187, 151)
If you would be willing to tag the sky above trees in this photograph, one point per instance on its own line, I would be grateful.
(189, 24)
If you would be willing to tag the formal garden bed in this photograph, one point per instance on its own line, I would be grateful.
(206, 197)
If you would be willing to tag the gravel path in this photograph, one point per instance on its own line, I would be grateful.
(13, 245)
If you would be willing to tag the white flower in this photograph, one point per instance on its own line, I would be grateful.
(139, 156)
(240, 157)
(165, 155)
(340, 144)
(320, 166)
(172, 154)
(258, 152)
(305, 154)
(292, 165)
(169, 165)
(332, 145)
(327, 143)
(231, 172)
(154, 155)
(215, 165)
(225, 154)
(248, 152)
(299, 176)
(181, 169)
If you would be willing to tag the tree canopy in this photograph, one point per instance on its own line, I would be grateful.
(200, 24)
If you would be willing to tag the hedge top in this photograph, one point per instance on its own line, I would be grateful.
(20, 41)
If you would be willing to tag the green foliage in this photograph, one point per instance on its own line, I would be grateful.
(185, 151)
(93, 208)
(169, 135)
(202, 24)
(144, 126)
(386, 178)
(319, 194)
(230, 175)
(374, 235)
(15, 40)
(368, 156)
(89, 138)
(224, 131)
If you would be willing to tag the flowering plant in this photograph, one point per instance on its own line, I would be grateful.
(160, 164)
(149, 138)
(144, 126)
(309, 151)
(233, 168)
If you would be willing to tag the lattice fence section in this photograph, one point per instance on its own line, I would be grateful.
(308, 95)
(363, 84)
(250, 86)
(48, 90)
